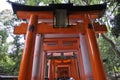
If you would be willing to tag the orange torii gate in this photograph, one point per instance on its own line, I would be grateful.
(60, 41)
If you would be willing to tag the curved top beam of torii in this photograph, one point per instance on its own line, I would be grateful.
(69, 7)
(72, 10)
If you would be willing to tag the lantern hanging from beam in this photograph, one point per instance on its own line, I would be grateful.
(61, 18)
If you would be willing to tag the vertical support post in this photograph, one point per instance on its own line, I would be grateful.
(97, 66)
(43, 66)
(75, 69)
(26, 64)
(51, 70)
(71, 69)
(80, 65)
(85, 57)
(55, 70)
(31, 60)
(47, 67)
(36, 60)
(78, 78)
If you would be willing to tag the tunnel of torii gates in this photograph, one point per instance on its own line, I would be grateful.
(60, 41)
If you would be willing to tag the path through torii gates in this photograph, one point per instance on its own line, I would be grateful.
(60, 42)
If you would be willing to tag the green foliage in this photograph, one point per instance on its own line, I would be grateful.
(6, 64)
(3, 36)
(5, 61)
(45, 2)
(116, 26)
(10, 52)
(113, 11)
(33, 2)
(110, 58)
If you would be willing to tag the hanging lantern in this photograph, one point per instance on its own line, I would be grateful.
(61, 18)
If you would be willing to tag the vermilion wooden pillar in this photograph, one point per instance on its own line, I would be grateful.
(75, 69)
(26, 62)
(36, 61)
(80, 66)
(97, 65)
(31, 60)
(71, 69)
(85, 57)
(51, 70)
(42, 66)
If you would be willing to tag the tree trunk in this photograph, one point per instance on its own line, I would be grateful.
(112, 44)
